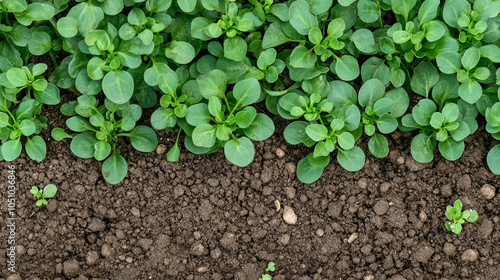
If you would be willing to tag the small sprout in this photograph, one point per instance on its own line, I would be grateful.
(270, 267)
(278, 205)
(47, 192)
(457, 217)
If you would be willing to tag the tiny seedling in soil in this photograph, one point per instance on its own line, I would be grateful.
(270, 267)
(457, 217)
(47, 192)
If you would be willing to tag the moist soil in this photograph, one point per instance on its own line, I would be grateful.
(204, 218)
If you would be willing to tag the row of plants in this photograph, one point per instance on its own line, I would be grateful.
(216, 70)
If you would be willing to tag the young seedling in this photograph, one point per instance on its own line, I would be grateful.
(47, 192)
(457, 217)
(270, 267)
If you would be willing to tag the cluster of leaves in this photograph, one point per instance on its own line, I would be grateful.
(457, 218)
(339, 69)
(48, 191)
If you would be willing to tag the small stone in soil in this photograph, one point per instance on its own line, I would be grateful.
(290, 167)
(289, 216)
(284, 239)
(161, 149)
(449, 249)
(469, 255)
(290, 192)
(71, 268)
(488, 191)
(92, 257)
(135, 212)
(280, 153)
(320, 232)
(381, 207)
(353, 237)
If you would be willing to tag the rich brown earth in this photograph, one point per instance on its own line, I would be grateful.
(204, 218)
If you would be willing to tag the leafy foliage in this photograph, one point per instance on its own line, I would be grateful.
(48, 191)
(457, 218)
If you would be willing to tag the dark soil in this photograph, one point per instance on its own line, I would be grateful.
(204, 218)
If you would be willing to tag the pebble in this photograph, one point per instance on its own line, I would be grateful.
(228, 241)
(369, 277)
(199, 250)
(135, 212)
(161, 149)
(129, 259)
(289, 216)
(423, 254)
(290, 167)
(422, 216)
(320, 232)
(178, 191)
(213, 182)
(79, 189)
(106, 250)
(92, 257)
(215, 253)
(290, 192)
(353, 237)
(400, 160)
(449, 249)
(465, 182)
(284, 239)
(71, 268)
(488, 191)
(381, 207)
(469, 255)
(385, 187)
(362, 183)
(280, 153)
(96, 224)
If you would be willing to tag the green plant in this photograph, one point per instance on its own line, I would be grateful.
(456, 217)
(98, 129)
(271, 268)
(48, 191)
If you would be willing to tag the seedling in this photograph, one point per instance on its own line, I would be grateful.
(457, 217)
(47, 192)
(270, 267)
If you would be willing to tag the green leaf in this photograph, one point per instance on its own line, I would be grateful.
(204, 135)
(4, 119)
(422, 112)
(301, 18)
(351, 160)
(79, 124)
(58, 134)
(102, 150)
(434, 30)
(235, 48)
(470, 58)
(198, 114)
(89, 18)
(247, 91)
(187, 6)
(180, 52)
(159, 6)
(168, 82)
(27, 127)
(245, 117)
(163, 118)
(491, 52)
(25, 109)
(347, 68)
(11, 149)
(368, 11)
(387, 123)
(315, 36)
(449, 62)
(295, 133)
(239, 151)
(470, 91)
(40, 43)
(36, 148)
(118, 86)
(371, 91)
(375, 67)
(82, 144)
(317, 132)
(403, 7)
(114, 169)
(266, 58)
(15, 6)
(143, 138)
(378, 145)
(67, 27)
(212, 84)
(422, 148)
(49, 96)
(260, 129)
(400, 99)
(336, 28)
(363, 40)
(274, 36)
(346, 140)
(428, 11)
(425, 76)
(401, 36)
(301, 57)
(49, 191)
(493, 159)
(308, 173)
(320, 6)
(451, 149)
(17, 77)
